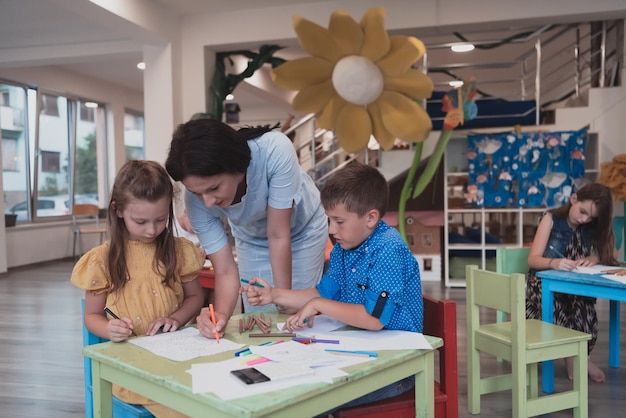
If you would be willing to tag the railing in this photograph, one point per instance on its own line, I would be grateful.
(553, 64)
(548, 66)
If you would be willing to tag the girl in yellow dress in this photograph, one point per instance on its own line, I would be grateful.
(143, 274)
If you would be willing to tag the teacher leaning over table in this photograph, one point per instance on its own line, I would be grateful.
(252, 178)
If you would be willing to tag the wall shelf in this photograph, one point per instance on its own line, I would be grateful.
(489, 227)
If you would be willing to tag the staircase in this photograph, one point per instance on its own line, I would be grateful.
(561, 67)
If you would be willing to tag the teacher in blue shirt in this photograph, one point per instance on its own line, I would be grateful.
(252, 178)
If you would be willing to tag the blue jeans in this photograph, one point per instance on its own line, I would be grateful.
(389, 391)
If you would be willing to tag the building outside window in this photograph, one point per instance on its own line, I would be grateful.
(54, 152)
(134, 135)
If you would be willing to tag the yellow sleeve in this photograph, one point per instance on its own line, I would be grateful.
(90, 272)
(189, 259)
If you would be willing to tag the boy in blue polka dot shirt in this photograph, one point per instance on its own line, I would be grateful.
(373, 280)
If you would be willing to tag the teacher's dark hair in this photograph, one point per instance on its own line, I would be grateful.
(208, 147)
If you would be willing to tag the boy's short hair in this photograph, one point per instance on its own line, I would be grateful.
(359, 187)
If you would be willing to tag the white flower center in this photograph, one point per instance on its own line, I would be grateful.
(357, 80)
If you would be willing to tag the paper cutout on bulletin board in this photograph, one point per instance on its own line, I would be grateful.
(526, 169)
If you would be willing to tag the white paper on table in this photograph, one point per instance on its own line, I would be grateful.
(595, 269)
(321, 323)
(216, 377)
(615, 277)
(373, 340)
(310, 355)
(184, 344)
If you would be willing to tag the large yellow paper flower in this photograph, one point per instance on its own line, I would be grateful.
(358, 80)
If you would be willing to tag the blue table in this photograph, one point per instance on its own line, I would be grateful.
(593, 285)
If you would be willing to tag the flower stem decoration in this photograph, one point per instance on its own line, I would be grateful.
(459, 105)
(358, 81)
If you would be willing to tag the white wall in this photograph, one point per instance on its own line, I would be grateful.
(605, 116)
(34, 243)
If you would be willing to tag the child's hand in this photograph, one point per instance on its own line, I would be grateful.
(206, 326)
(162, 324)
(565, 264)
(303, 318)
(119, 329)
(257, 295)
(587, 261)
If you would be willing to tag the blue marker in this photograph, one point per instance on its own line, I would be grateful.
(354, 352)
(246, 351)
(246, 281)
(557, 252)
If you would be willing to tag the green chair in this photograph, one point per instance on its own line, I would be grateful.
(508, 261)
(523, 342)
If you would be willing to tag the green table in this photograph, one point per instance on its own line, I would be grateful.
(168, 382)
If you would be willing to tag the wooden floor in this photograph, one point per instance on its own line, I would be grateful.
(41, 368)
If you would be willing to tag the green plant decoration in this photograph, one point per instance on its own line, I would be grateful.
(223, 84)
(460, 107)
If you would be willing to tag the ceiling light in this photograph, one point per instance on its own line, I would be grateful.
(455, 83)
(229, 97)
(141, 65)
(462, 47)
(92, 105)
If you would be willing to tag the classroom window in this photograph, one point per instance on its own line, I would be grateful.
(50, 162)
(134, 135)
(9, 154)
(50, 105)
(87, 114)
(15, 132)
(89, 139)
(64, 164)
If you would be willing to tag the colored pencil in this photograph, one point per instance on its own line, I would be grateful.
(212, 311)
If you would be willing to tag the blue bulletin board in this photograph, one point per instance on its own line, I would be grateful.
(525, 169)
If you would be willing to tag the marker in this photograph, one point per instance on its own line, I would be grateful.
(306, 340)
(355, 352)
(246, 281)
(112, 315)
(557, 252)
(212, 312)
(272, 334)
(246, 351)
(258, 361)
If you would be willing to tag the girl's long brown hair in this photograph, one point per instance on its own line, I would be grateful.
(142, 180)
(600, 228)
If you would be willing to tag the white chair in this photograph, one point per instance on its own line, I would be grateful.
(81, 212)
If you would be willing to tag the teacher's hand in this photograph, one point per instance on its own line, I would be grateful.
(258, 292)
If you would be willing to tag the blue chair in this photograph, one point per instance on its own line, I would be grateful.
(120, 409)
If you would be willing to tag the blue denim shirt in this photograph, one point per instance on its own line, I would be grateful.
(561, 235)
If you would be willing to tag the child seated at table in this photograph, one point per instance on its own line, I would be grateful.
(577, 234)
(373, 280)
(143, 277)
